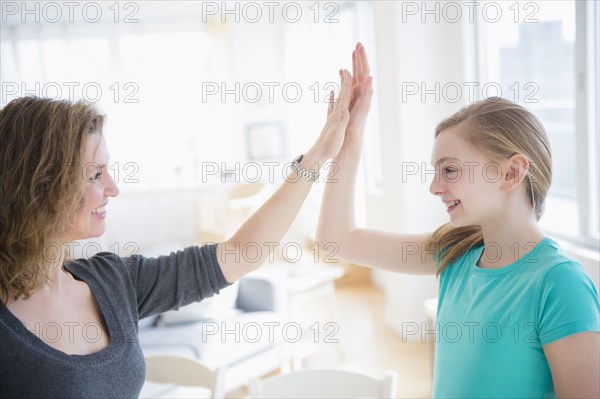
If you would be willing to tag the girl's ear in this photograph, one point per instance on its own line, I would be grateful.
(515, 171)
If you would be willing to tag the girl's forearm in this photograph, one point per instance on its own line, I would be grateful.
(336, 218)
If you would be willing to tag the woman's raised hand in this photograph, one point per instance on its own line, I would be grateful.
(330, 140)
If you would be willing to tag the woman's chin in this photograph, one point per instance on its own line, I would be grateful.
(95, 233)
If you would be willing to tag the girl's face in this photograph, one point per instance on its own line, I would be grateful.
(98, 186)
(467, 181)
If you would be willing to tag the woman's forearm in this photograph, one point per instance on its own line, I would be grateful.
(250, 246)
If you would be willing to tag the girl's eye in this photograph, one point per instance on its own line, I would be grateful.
(449, 170)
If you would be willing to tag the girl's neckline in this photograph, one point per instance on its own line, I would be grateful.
(528, 258)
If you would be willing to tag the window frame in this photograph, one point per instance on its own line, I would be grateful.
(587, 121)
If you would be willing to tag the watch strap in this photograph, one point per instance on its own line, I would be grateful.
(302, 171)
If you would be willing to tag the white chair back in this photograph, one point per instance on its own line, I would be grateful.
(324, 384)
(179, 370)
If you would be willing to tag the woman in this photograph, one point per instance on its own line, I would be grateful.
(516, 316)
(69, 328)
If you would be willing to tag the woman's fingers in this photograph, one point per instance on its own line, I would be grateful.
(345, 91)
(344, 94)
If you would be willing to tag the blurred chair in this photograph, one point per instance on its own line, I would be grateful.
(320, 383)
(182, 372)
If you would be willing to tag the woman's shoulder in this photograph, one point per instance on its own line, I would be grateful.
(105, 266)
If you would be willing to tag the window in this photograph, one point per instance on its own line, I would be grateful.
(127, 67)
(544, 55)
(182, 88)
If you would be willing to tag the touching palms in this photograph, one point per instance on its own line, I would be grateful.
(347, 116)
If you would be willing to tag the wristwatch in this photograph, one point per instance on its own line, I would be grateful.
(300, 170)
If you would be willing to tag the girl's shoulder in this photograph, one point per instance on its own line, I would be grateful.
(559, 272)
(551, 258)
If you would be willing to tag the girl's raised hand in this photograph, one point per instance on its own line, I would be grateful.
(362, 92)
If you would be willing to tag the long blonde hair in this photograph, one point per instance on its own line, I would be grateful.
(500, 129)
(40, 184)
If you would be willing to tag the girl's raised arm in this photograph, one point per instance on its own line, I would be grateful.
(337, 229)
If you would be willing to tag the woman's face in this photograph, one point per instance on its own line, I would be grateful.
(98, 186)
(467, 181)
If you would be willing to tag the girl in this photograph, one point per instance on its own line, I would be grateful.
(55, 188)
(525, 317)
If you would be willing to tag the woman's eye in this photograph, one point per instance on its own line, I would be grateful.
(449, 170)
(92, 172)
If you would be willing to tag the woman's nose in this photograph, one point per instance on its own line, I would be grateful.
(112, 189)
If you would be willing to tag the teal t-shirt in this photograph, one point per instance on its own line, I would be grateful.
(492, 324)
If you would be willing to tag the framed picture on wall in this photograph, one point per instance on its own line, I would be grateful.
(265, 141)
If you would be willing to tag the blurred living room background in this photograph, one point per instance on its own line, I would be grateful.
(207, 104)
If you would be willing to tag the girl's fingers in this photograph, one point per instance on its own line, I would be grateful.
(359, 67)
(365, 63)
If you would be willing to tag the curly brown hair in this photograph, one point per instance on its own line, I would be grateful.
(40, 184)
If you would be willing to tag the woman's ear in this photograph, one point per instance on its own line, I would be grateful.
(515, 171)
